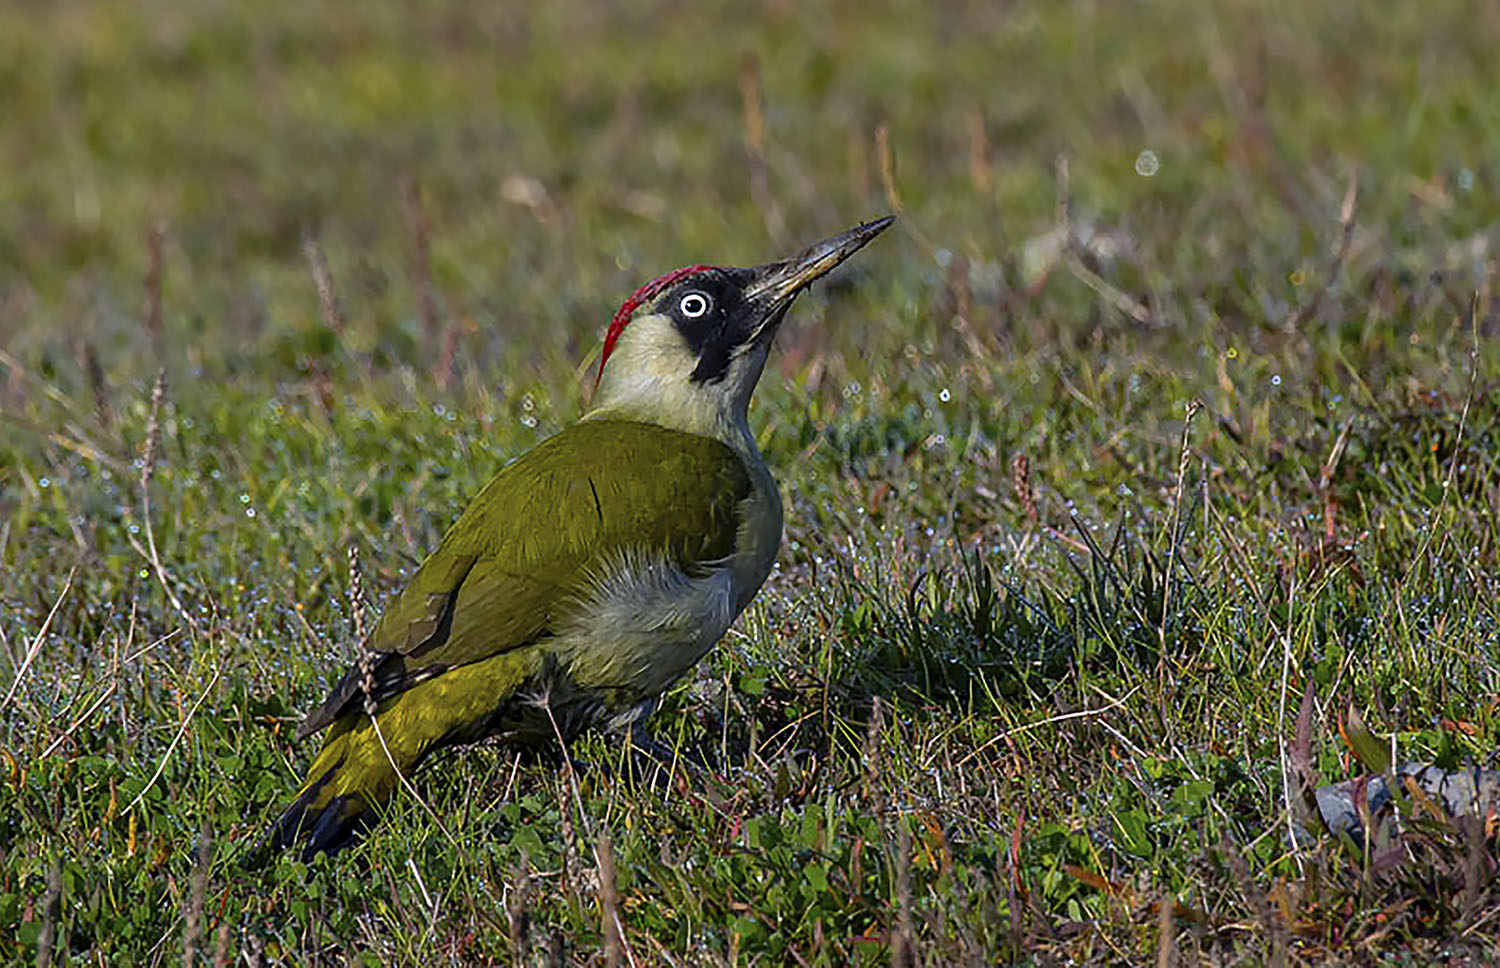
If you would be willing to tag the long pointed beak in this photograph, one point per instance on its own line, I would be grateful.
(778, 283)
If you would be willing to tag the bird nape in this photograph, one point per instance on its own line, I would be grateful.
(593, 571)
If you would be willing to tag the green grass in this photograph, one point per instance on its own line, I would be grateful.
(986, 715)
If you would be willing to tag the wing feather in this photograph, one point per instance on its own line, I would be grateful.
(512, 563)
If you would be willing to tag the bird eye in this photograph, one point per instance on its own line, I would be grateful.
(694, 305)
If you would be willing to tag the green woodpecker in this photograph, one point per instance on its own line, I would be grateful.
(590, 573)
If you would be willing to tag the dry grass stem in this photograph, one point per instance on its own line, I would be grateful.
(149, 452)
(519, 911)
(420, 263)
(903, 934)
(615, 949)
(752, 102)
(51, 903)
(1166, 945)
(181, 732)
(1112, 294)
(39, 638)
(1021, 485)
(114, 683)
(1314, 306)
(979, 153)
(151, 311)
(1174, 536)
(328, 300)
(192, 931)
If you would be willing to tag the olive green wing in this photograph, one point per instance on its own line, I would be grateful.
(528, 542)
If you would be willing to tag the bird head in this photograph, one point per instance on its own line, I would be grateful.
(686, 349)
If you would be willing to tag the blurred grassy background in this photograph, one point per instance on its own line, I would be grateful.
(1288, 211)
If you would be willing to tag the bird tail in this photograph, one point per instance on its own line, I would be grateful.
(352, 777)
(361, 765)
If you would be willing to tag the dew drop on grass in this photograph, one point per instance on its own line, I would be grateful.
(1146, 163)
(944, 395)
(1276, 380)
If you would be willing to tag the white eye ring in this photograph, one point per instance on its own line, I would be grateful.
(694, 305)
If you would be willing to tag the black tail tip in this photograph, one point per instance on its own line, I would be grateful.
(327, 831)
